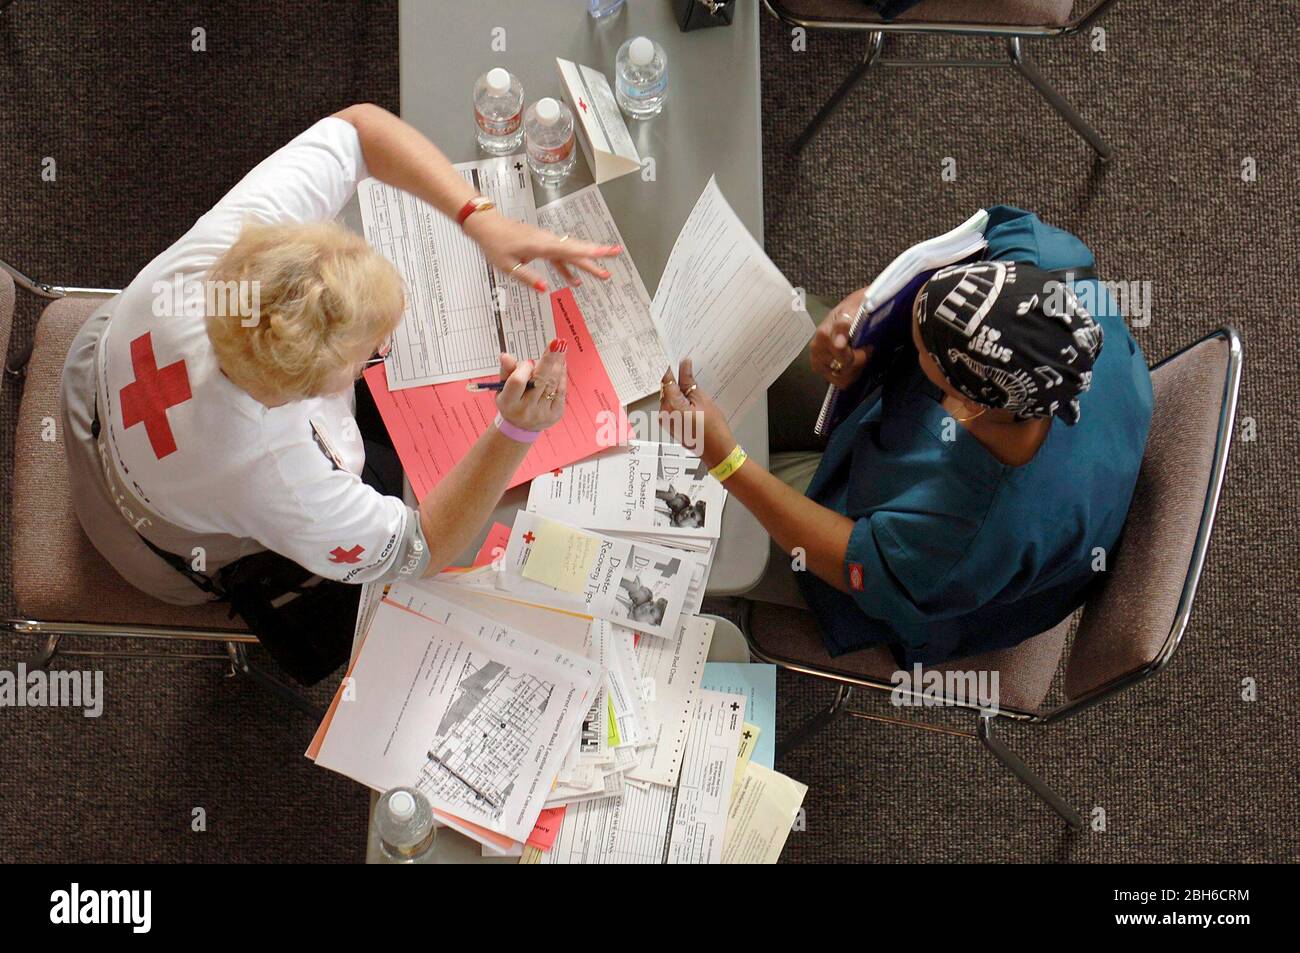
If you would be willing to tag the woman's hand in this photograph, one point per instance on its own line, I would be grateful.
(832, 357)
(707, 433)
(542, 405)
(511, 245)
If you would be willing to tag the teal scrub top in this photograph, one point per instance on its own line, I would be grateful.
(954, 553)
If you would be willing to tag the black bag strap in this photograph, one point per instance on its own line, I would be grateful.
(206, 583)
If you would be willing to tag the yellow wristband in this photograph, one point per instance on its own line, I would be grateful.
(730, 465)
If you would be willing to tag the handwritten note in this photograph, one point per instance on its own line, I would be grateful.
(560, 556)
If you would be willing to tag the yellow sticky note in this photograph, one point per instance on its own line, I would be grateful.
(561, 556)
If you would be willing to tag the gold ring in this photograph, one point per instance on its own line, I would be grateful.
(550, 395)
(689, 390)
(836, 367)
(516, 267)
(564, 238)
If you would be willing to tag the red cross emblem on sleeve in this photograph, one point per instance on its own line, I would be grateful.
(340, 555)
(155, 389)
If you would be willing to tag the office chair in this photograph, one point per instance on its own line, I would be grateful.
(1011, 20)
(62, 586)
(1128, 629)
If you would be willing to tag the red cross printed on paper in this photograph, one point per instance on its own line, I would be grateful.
(582, 105)
(146, 399)
(557, 471)
(528, 538)
(340, 555)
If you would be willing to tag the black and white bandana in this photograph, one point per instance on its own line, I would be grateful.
(1009, 335)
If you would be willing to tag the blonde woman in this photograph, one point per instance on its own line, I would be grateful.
(209, 408)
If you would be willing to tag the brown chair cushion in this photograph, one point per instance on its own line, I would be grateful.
(58, 574)
(1000, 12)
(1127, 623)
(1025, 671)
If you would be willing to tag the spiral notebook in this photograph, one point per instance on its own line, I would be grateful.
(882, 319)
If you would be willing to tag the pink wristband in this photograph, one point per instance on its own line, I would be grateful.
(516, 433)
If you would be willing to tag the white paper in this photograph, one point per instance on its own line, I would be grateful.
(722, 303)
(708, 772)
(671, 671)
(496, 713)
(660, 824)
(648, 489)
(617, 310)
(629, 583)
(460, 311)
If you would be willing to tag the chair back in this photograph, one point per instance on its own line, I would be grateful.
(1130, 628)
(6, 313)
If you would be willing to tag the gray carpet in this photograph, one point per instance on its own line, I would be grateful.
(147, 135)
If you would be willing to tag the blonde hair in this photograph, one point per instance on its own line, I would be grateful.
(323, 295)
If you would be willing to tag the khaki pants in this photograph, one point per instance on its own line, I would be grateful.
(793, 404)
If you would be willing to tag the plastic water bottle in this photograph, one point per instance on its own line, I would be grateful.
(548, 131)
(599, 9)
(404, 823)
(498, 112)
(641, 78)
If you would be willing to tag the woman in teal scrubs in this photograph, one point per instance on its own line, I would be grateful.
(969, 502)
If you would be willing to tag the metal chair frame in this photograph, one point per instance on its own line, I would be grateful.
(1015, 59)
(233, 644)
(845, 683)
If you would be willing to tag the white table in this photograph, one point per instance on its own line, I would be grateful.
(709, 126)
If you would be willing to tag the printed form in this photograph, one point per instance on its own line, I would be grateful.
(617, 310)
(724, 304)
(460, 311)
(684, 824)
(479, 720)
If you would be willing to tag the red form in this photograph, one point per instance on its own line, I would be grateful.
(434, 426)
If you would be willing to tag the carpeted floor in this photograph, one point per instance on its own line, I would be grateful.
(146, 135)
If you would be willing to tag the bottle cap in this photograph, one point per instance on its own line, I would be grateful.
(548, 111)
(401, 805)
(642, 51)
(498, 80)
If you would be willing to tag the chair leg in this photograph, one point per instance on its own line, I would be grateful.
(1057, 101)
(875, 42)
(1017, 767)
(804, 733)
(41, 659)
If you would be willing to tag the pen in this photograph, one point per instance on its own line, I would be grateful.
(494, 385)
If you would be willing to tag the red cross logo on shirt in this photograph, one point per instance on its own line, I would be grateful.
(146, 399)
(581, 104)
(528, 538)
(340, 555)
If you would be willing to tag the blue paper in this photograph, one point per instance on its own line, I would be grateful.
(757, 682)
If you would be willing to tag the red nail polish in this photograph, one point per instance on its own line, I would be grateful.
(540, 286)
(555, 345)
